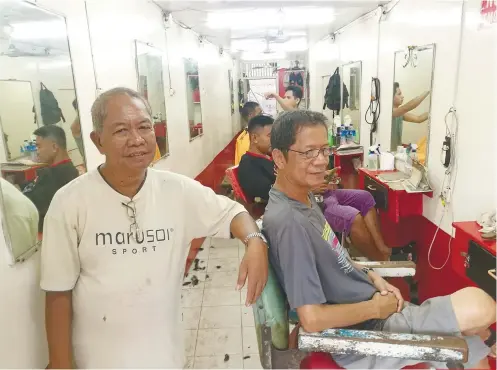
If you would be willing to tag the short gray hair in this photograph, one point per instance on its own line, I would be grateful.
(99, 107)
(289, 123)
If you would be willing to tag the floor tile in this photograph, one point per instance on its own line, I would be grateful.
(223, 264)
(252, 362)
(250, 345)
(243, 296)
(219, 362)
(222, 279)
(220, 317)
(190, 341)
(228, 252)
(221, 297)
(224, 243)
(247, 316)
(212, 342)
(191, 317)
(188, 363)
(191, 297)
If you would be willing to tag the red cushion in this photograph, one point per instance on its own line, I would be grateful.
(321, 360)
(232, 174)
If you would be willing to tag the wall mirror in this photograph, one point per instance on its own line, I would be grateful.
(194, 105)
(151, 85)
(413, 78)
(351, 97)
(41, 144)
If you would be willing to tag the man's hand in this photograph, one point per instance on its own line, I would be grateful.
(384, 305)
(270, 95)
(385, 288)
(254, 266)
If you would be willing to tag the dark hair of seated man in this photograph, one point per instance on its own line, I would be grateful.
(51, 147)
(256, 168)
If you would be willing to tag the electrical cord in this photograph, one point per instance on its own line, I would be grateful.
(374, 109)
(448, 184)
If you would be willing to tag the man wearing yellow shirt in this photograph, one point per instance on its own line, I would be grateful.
(157, 155)
(250, 109)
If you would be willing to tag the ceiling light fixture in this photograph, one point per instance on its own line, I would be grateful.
(39, 30)
(291, 17)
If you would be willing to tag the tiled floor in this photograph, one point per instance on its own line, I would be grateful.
(219, 329)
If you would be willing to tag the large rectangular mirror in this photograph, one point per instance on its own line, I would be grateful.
(413, 78)
(194, 105)
(232, 91)
(351, 97)
(41, 144)
(151, 85)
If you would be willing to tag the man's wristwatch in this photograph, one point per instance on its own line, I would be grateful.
(254, 235)
(366, 270)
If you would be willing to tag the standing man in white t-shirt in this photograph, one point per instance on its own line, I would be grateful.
(115, 244)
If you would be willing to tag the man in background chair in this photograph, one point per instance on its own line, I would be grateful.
(51, 147)
(249, 110)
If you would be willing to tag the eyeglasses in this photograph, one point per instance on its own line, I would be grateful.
(313, 153)
(133, 228)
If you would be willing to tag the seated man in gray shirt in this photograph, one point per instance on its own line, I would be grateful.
(327, 289)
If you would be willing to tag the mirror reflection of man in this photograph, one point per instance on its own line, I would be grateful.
(401, 113)
(51, 146)
(115, 245)
(291, 100)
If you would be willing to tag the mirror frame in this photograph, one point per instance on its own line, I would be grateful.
(358, 142)
(30, 251)
(405, 51)
(185, 59)
(137, 71)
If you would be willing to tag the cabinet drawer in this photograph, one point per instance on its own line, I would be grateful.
(480, 262)
(378, 191)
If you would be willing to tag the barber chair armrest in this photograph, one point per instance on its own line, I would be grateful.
(391, 268)
(374, 343)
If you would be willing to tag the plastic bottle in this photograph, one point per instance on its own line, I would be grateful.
(343, 135)
(373, 158)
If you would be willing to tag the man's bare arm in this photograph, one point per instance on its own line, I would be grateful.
(58, 324)
(410, 105)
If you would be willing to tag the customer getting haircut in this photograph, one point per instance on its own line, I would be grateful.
(259, 122)
(248, 108)
(53, 133)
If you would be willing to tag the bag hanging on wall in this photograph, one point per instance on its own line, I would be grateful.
(50, 111)
(332, 94)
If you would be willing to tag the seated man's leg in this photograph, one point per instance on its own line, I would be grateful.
(364, 202)
(346, 219)
(468, 312)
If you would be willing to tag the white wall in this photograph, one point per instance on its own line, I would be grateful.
(419, 23)
(114, 27)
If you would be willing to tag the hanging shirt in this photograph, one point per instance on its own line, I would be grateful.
(126, 281)
(242, 146)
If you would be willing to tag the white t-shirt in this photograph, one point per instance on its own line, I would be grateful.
(126, 293)
(21, 219)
